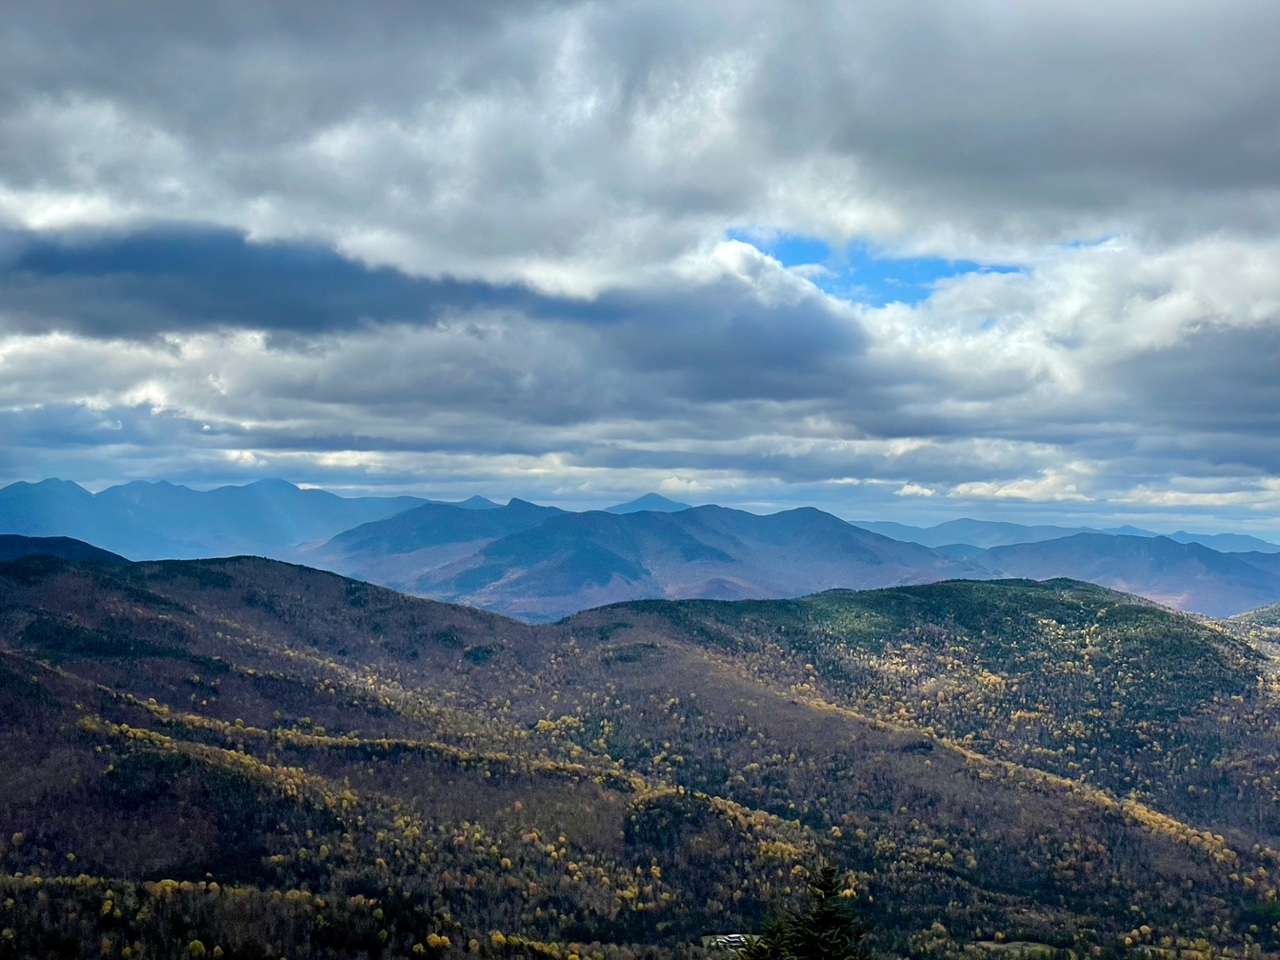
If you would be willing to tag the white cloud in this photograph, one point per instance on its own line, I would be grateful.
(914, 490)
(1051, 486)
(1243, 492)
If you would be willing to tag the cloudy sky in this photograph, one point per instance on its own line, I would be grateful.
(907, 261)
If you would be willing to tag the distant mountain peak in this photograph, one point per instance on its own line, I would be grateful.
(477, 502)
(655, 502)
(52, 483)
(134, 486)
(273, 483)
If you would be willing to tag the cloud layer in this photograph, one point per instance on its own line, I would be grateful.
(491, 248)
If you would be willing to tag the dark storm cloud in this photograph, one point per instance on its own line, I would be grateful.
(712, 340)
(1214, 397)
(170, 279)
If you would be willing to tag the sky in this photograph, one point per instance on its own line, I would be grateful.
(897, 261)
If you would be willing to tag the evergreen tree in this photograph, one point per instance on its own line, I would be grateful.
(830, 930)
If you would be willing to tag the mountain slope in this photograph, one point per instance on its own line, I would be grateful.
(50, 508)
(990, 533)
(1267, 617)
(974, 533)
(1266, 562)
(1066, 677)
(399, 549)
(1186, 576)
(642, 774)
(434, 524)
(149, 520)
(1227, 542)
(575, 561)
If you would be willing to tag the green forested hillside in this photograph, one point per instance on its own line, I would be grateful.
(273, 761)
(1265, 618)
(1059, 676)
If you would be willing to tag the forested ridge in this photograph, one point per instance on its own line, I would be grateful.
(245, 758)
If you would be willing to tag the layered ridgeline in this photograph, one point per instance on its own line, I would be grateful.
(995, 533)
(540, 564)
(1187, 576)
(144, 520)
(271, 760)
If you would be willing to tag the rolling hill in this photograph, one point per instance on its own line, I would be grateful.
(249, 753)
(13, 547)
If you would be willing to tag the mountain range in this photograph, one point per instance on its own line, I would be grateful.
(994, 533)
(542, 563)
(539, 563)
(261, 758)
(577, 560)
(153, 520)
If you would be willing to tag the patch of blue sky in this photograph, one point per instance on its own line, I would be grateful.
(858, 271)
